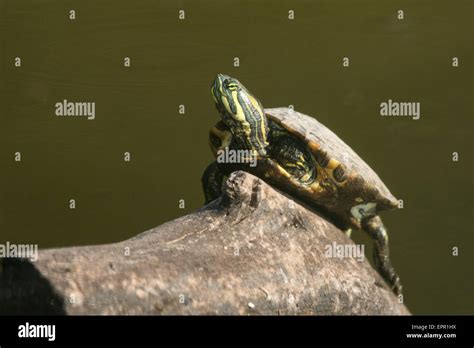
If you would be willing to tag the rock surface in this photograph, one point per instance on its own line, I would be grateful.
(253, 251)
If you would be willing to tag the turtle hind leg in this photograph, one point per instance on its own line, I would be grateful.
(212, 179)
(376, 229)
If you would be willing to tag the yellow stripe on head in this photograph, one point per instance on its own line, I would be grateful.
(241, 112)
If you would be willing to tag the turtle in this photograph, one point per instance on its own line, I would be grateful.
(298, 155)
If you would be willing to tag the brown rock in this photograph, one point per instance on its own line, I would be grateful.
(253, 251)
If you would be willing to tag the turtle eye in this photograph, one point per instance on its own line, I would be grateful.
(231, 85)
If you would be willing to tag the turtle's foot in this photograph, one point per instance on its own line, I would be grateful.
(375, 228)
(387, 271)
(397, 287)
(212, 182)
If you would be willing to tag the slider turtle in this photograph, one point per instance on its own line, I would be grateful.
(300, 156)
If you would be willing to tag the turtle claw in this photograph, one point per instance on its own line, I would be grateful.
(388, 273)
(397, 287)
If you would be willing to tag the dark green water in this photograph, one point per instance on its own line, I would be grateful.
(283, 62)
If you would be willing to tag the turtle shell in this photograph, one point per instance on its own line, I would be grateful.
(359, 182)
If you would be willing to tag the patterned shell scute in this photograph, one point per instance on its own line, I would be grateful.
(315, 131)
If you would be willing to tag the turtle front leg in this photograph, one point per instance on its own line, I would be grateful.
(376, 229)
(212, 182)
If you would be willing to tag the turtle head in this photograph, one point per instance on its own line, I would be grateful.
(242, 113)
